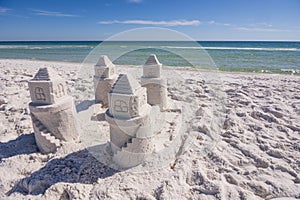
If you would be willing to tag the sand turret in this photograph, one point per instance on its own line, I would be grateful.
(155, 84)
(129, 118)
(104, 78)
(52, 111)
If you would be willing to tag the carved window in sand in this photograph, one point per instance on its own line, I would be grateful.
(134, 106)
(39, 94)
(60, 90)
(112, 71)
(120, 106)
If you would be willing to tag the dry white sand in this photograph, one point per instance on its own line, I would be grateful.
(254, 155)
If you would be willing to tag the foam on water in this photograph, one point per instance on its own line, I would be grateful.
(235, 48)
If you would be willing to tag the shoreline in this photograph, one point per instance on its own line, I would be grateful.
(263, 70)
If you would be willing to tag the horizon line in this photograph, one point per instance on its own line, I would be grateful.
(150, 41)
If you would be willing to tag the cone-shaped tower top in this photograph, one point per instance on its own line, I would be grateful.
(125, 84)
(152, 60)
(45, 74)
(104, 68)
(104, 61)
(152, 67)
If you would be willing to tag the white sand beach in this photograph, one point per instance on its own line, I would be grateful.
(256, 154)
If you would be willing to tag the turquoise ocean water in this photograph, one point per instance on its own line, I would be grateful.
(226, 55)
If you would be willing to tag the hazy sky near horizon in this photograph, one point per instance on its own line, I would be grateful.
(100, 19)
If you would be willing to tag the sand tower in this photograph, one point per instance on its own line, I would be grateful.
(104, 79)
(156, 86)
(130, 124)
(52, 111)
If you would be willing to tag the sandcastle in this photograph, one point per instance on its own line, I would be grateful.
(130, 125)
(104, 79)
(134, 111)
(155, 84)
(52, 111)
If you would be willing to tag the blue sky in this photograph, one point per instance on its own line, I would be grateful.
(99, 19)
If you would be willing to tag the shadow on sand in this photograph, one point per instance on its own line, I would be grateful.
(84, 105)
(77, 167)
(24, 144)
